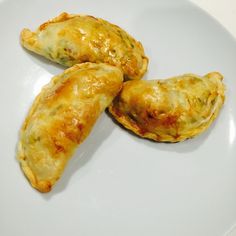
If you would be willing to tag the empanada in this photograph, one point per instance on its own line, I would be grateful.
(61, 117)
(169, 110)
(71, 39)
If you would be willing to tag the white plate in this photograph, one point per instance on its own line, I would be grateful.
(118, 184)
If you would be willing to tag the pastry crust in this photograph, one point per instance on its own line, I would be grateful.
(170, 110)
(70, 39)
(61, 117)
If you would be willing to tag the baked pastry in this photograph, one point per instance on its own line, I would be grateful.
(71, 39)
(61, 117)
(170, 110)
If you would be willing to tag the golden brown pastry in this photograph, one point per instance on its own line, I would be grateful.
(71, 39)
(169, 110)
(61, 117)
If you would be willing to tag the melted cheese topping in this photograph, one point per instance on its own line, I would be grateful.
(61, 117)
(71, 39)
(170, 110)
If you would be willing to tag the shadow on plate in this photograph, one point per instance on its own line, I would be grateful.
(50, 66)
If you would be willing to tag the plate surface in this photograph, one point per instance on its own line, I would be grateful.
(118, 184)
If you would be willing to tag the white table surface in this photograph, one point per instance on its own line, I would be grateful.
(224, 11)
